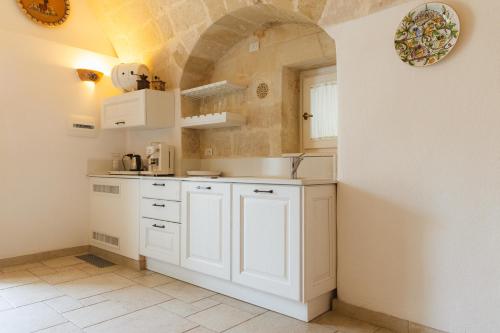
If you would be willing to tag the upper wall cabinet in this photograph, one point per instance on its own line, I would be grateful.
(146, 109)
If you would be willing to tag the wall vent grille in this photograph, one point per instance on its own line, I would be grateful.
(106, 239)
(111, 189)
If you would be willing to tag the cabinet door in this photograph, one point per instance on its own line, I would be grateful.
(127, 110)
(160, 240)
(206, 228)
(266, 238)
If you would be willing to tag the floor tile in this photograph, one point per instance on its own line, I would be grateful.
(94, 270)
(344, 324)
(200, 329)
(64, 304)
(63, 261)
(95, 314)
(243, 306)
(130, 273)
(14, 279)
(137, 296)
(184, 291)
(272, 322)
(29, 318)
(93, 300)
(43, 270)
(68, 274)
(220, 317)
(119, 302)
(153, 280)
(184, 309)
(94, 285)
(153, 319)
(30, 293)
(4, 305)
(24, 267)
(62, 328)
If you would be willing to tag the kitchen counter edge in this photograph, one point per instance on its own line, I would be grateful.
(242, 180)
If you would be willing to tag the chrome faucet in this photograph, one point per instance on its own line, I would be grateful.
(295, 160)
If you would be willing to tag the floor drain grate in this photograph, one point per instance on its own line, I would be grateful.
(95, 260)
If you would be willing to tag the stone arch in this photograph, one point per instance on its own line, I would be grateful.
(221, 38)
(229, 27)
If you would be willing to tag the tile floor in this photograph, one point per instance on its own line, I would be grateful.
(69, 295)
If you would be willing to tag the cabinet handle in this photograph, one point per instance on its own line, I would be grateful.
(120, 123)
(264, 191)
(203, 187)
(158, 184)
(307, 116)
(158, 205)
(159, 226)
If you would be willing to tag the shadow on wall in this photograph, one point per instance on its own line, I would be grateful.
(403, 241)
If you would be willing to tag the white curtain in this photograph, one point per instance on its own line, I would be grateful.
(324, 110)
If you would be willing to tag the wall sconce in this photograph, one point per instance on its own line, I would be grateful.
(89, 75)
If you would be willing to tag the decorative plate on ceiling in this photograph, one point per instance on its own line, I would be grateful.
(427, 34)
(47, 12)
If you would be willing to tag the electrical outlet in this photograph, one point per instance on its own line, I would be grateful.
(254, 46)
(209, 152)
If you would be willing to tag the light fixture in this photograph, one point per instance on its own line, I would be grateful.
(89, 75)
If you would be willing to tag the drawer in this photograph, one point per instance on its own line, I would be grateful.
(161, 209)
(161, 189)
(160, 240)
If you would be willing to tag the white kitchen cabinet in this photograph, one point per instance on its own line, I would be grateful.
(319, 239)
(205, 228)
(114, 215)
(160, 240)
(140, 109)
(267, 238)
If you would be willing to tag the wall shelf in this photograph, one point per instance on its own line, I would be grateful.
(213, 120)
(212, 89)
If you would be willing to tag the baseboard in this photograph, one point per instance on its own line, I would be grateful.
(392, 323)
(118, 259)
(47, 255)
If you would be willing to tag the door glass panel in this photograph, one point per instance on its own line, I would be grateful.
(324, 111)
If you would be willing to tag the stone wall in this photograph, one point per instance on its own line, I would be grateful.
(163, 33)
(180, 40)
(272, 123)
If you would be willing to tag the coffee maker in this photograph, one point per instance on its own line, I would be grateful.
(160, 159)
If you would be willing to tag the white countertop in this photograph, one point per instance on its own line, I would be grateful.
(244, 180)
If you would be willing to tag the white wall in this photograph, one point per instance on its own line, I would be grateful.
(81, 28)
(43, 184)
(419, 171)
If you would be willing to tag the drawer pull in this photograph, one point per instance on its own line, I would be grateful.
(120, 123)
(158, 184)
(159, 226)
(264, 191)
(158, 205)
(203, 187)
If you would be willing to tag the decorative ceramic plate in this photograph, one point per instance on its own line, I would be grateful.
(47, 12)
(427, 34)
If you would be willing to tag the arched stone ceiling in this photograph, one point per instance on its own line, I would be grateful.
(163, 33)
